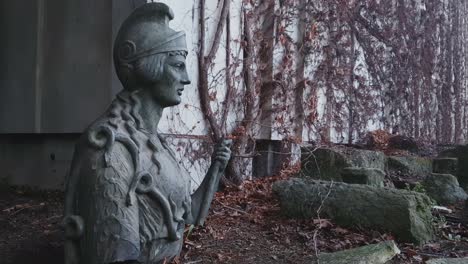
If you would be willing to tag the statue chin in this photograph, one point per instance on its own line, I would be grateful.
(169, 102)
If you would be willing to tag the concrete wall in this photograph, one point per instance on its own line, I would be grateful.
(75, 64)
(57, 60)
(18, 67)
(57, 72)
(39, 161)
(56, 78)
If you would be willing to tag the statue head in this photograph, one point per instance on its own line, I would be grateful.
(150, 56)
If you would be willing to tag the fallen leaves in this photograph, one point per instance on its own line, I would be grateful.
(245, 226)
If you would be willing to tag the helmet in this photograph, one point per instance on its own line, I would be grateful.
(144, 33)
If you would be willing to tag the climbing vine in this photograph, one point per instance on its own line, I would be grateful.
(331, 70)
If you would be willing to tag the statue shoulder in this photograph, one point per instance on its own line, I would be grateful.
(119, 123)
(111, 140)
(110, 136)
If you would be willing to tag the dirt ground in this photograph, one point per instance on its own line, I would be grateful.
(245, 226)
(29, 227)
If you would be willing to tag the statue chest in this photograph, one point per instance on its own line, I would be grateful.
(166, 173)
(163, 192)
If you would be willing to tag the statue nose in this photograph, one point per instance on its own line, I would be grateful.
(185, 78)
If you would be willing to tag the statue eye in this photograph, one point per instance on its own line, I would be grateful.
(180, 66)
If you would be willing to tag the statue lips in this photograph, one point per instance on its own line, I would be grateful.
(179, 91)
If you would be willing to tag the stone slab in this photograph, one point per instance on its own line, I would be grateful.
(405, 214)
(371, 254)
(448, 261)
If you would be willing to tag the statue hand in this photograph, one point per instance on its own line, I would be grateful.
(222, 153)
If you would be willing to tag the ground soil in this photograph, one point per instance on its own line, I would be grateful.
(29, 227)
(245, 226)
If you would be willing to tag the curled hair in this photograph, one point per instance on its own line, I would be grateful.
(145, 70)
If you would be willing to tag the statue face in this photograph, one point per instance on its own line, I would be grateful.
(168, 90)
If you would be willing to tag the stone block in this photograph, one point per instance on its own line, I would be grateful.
(405, 214)
(327, 163)
(444, 189)
(371, 254)
(409, 165)
(357, 175)
(448, 261)
(461, 154)
(445, 165)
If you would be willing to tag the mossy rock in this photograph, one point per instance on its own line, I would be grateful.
(409, 165)
(405, 214)
(328, 163)
(461, 153)
(444, 189)
(371, 254)
(445, 165)
(368, 176)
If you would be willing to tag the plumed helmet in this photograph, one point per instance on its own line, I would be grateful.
(144, 33)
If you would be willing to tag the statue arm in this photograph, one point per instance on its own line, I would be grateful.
(203, 196)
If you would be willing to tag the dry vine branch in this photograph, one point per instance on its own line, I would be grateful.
(204, 63)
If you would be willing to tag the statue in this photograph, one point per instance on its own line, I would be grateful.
(127, 198)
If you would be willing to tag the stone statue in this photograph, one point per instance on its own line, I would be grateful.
(127, 198)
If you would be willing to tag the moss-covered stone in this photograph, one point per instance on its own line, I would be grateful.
(327, 163)
(406, 214)
(448, 261)
(358, 175)
(445, 165)
(461, 153)
(372, 254)
(409, 165)
(444, 189)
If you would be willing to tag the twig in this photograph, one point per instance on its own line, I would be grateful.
(318, 217)
(27, 207)
(193, 262)
(232, 208)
